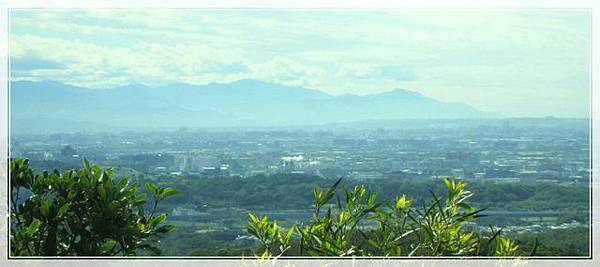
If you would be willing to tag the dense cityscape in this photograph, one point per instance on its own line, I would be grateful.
(500, 153)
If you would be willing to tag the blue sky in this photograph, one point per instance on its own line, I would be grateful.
(514, 62)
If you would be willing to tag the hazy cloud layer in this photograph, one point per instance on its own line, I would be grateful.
(515, 62)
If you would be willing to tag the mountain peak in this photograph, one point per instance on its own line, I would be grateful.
(399, 93)
(399, 90)
(251, 82)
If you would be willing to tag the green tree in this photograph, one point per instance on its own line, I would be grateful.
(82, 212)
(362, 226)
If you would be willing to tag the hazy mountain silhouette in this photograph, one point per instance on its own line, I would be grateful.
(51, 106)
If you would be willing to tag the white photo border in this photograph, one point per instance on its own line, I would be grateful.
(7, 6)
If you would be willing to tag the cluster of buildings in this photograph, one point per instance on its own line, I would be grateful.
(499, 155)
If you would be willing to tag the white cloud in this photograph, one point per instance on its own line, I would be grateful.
(356, 71)
(96, 66)
(287, 71)
(92, 65)
(482, 57)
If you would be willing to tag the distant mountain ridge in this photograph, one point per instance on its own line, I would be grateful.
(42, 106)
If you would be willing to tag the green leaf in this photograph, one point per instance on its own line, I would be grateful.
(168, 192)
(289, 233)
(374, 243)
(86, 163)
(33, 227)
(317, 194)
(45, 207)
(324, 199)
(101, 192)
(252, 217)
(165, 228)
(63, 209)
(109, 245)
(151, 188)
(122, 184)
(140, 199)
(402, 203)
(158, 219)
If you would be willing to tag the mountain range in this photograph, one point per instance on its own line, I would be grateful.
(50, 106)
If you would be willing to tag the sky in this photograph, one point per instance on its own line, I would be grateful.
(518, 63)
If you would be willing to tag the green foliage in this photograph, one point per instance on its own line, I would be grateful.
(186, 240)
(362, 226)
(270, 192)
(557, 242)
(271, 236)
(506, 247)
(295, 191)
(82, 212)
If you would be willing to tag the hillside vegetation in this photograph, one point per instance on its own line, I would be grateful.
(90, 212)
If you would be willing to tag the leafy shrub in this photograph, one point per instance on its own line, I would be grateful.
(82, 212)
(362, 226)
